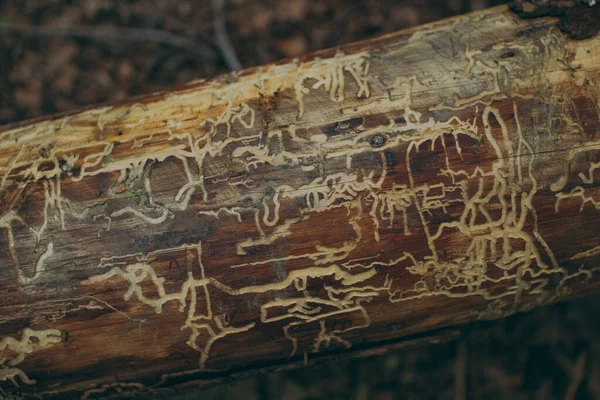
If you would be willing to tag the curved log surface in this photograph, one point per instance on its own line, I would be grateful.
(360, 195)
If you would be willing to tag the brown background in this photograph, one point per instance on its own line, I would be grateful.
(59, 55)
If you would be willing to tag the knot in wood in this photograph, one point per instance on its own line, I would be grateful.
(377, 140)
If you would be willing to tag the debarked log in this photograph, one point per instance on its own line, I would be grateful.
(355, 196)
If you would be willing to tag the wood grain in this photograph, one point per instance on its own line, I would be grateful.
(350, 198)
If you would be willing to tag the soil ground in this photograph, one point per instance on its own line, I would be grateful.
(58, 55)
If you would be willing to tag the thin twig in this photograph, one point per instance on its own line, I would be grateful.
(577, 373)
(113, 33)
(222, 39)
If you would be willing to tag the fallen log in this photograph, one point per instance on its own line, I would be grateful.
(357, 196)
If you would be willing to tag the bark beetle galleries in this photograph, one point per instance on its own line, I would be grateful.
(202, 242)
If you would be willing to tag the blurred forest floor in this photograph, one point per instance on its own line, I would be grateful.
(58, 55)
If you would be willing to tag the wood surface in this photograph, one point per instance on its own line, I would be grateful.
(358, 196)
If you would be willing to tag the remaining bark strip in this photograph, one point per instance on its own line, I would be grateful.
(382, 190)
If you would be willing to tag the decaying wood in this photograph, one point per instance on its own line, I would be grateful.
(357, 196)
